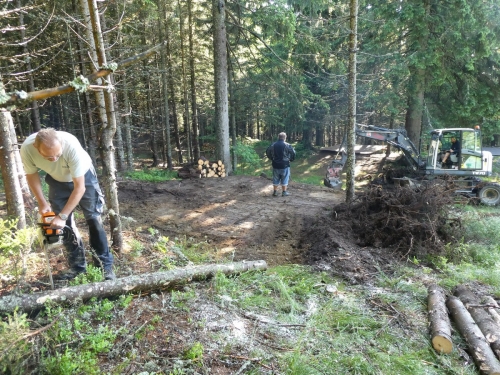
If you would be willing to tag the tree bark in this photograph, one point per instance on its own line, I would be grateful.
(351, 128)
(492, 308)
(220, 79)
(175, 121)
(128, 125)
(130, 284)
(439, 321)
(107, 134)
(12, 187)
(484, 320)
(194, 104)
(186, 116)
(478, 345)
(164, 82)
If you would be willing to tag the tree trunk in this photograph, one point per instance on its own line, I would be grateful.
(28, 200)
(128, 125)
(232, 109)
(484, 320)
(170, 79)
(35, 111)
(478, 345)
(440, 327)
(107, 134)
(492, 309)
(126, 285)
(416, 89)
(164, 81)
(220, 77)
(351, 128)
(186, 115)
(194, 104)
(13, 194)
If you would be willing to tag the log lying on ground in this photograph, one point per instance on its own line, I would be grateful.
(479, 347)
(439, 322)
(136, 283)
(478, 312)
(492, 306)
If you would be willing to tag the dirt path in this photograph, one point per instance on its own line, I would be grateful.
(236, 213)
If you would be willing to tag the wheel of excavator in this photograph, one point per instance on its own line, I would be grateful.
(490, 194)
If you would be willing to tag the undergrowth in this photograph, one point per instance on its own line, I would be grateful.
(152, 175)
(288, 319)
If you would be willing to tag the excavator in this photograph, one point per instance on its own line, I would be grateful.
(466, 165)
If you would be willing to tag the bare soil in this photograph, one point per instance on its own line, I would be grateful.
(238, 216)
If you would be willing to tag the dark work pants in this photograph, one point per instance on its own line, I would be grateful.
(92, 204)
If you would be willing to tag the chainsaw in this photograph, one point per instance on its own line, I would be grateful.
(51, 235)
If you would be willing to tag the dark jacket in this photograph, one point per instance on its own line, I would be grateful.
(281, 153)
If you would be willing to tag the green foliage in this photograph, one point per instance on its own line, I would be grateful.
(71, 362)
(15, 244)
(137, 247)
(248, 159)
(13, 347)
(152, 175)
(182, 299)
(93, 275)
(195, 352)
(80, 84)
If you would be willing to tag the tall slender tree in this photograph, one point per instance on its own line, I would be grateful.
(220, 78)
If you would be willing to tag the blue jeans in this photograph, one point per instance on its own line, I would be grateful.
(92, 204)
(281, 176)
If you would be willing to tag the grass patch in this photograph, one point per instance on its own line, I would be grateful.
(152, 175)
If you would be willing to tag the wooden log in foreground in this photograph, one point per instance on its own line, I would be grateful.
(439, 322)
(479, 347)
(483, 320)
(136, 283)
(492, 305)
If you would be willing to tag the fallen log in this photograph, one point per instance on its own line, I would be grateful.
(439, 321)
(491, 308)
(483, 320)
(130, 284)
(478, 346)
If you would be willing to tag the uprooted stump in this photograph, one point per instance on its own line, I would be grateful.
(130, 284)
(412, 220)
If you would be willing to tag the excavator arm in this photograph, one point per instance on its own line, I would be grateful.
(394, 137)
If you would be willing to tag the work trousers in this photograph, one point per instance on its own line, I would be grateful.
(92, 205)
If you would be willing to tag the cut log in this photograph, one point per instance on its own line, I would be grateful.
(130, 284)
(214, 166)
(488, 300)
(478, 345)
(439, 322)
(484, 320)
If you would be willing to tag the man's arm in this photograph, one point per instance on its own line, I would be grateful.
(35, 185)
(73, 200)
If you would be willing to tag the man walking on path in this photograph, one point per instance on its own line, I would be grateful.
(72, 181)
(281, 153)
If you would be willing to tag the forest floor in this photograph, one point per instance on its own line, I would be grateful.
(239, 219)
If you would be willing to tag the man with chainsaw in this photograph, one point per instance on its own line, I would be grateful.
(281, 154)
(72, 181)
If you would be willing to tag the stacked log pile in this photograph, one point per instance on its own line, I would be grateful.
(475, 318)
(203, 168)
